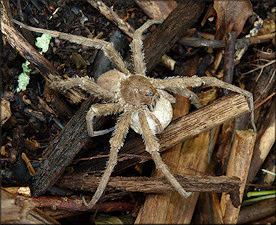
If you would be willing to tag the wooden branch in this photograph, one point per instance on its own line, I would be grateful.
(62, 150)
(257, 211)
(238, 165)
(157, 10)
(167, 33)
(17, 209)
(229, 54)
(264, 143)
(195, 183)
(202, 42)
(76, 204)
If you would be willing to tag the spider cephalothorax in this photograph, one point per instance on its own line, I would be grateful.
(143, 102)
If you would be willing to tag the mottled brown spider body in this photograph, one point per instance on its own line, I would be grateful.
(138, 90)
(144, 103)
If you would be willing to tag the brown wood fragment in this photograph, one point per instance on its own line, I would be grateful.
(225, 140)
(157, 10)
(229, 54)
(75, 203)
(238, 165)
(204, 42)
(197, 183)
(264, 142)
(62, 150)
(20, 210)
(257, 211)
(208, 209)
(173, 27)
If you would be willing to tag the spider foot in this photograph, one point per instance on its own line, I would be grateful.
(100, 132)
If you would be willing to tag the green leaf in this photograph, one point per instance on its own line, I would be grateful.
(23, 81)
(43, 42)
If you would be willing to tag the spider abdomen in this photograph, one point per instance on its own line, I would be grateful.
(111, 80)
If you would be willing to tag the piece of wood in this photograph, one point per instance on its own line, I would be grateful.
(197, 183)
(207, 210)
(202, 42)
(173, 27)
(17, 209)
(75, 203)
(229, 54)
(257, 211)
(224, 142)
(157, 10)
(195, 123)
(264, 143)
(238, 165)
(62, 150)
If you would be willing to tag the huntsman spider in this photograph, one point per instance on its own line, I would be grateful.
(144, 103)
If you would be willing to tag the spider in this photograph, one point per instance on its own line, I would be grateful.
(144, 103)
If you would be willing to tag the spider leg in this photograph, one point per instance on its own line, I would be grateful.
(174, 85)
(218, 83)
(183, 82)
(152, 147)
(137, 46)
(99, 110)
(86, 84)
(107, 47)
(188, 94)
(116, 143)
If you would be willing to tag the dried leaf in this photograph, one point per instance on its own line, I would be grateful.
(231, 16)
(5, 111)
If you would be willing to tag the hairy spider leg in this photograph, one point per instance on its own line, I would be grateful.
(137, 47)
(152, 147)
(212, 81)
(86, 84)
(116, 143)
(101, 110)
(108, 48)
(174, 84)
